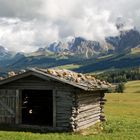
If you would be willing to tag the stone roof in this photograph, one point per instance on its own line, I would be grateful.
(83, 81)
(79, 79)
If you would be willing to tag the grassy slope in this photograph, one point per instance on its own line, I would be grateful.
(116, 61)
(123, 121)
(123, 112)
(69, 66)
(135, 50)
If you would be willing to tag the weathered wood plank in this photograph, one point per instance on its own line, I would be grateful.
(83, 106)
(7, 108)
(95, 99)
(89, 108)
(87, 97)
(63, 112)
(64, 106)
(79, 124)
(86, 125)
(87, 117)
(18, 112)
(62, 124)
(7, 116)
(87, 94)
(88, 101)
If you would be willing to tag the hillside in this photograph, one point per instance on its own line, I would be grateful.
(116, 61)
(132, 87)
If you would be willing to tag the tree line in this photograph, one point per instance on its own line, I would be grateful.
(119, 76)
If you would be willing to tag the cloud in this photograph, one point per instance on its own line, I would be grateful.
(26, 25)
(25, 36)
(20, 8)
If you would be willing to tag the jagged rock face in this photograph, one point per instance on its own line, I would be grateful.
(86, 47)
(57, 47)
(4, 53)
(126, 40)
(77, 46)
(83, 48)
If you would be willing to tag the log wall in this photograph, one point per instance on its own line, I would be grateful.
(87, 110)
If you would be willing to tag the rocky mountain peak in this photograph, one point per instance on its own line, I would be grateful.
(126, 40)
(3, 51)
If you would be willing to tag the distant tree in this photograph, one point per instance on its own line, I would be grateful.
(120, 88)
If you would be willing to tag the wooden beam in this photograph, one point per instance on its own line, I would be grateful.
(17, 107)
(54, 108)
(86, 125)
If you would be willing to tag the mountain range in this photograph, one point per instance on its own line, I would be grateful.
(115, 52)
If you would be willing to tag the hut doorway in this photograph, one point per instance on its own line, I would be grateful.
(37, 107)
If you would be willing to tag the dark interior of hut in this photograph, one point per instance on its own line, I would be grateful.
(37, 107)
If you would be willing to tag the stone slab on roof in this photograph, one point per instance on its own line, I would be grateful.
(79, 79)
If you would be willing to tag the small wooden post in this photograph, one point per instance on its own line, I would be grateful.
(18, 107)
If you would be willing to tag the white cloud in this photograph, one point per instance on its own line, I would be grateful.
(25, 25)
(18, 35)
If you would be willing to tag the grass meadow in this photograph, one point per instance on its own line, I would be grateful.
(123, 121)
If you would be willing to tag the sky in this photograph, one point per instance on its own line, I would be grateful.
(26, 25)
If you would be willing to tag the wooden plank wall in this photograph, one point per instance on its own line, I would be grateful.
(36, 83)
(64, 104)
(7, 106)
(87, 110)
(62, 96)
(30, 82)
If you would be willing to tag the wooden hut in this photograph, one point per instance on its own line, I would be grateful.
(58, 99)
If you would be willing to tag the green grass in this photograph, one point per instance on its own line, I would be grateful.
(104, 57)
(133, 86)
(69, 67)
(123, 121)
(135, 50)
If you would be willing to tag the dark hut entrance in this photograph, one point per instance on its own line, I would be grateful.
(37, 107)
